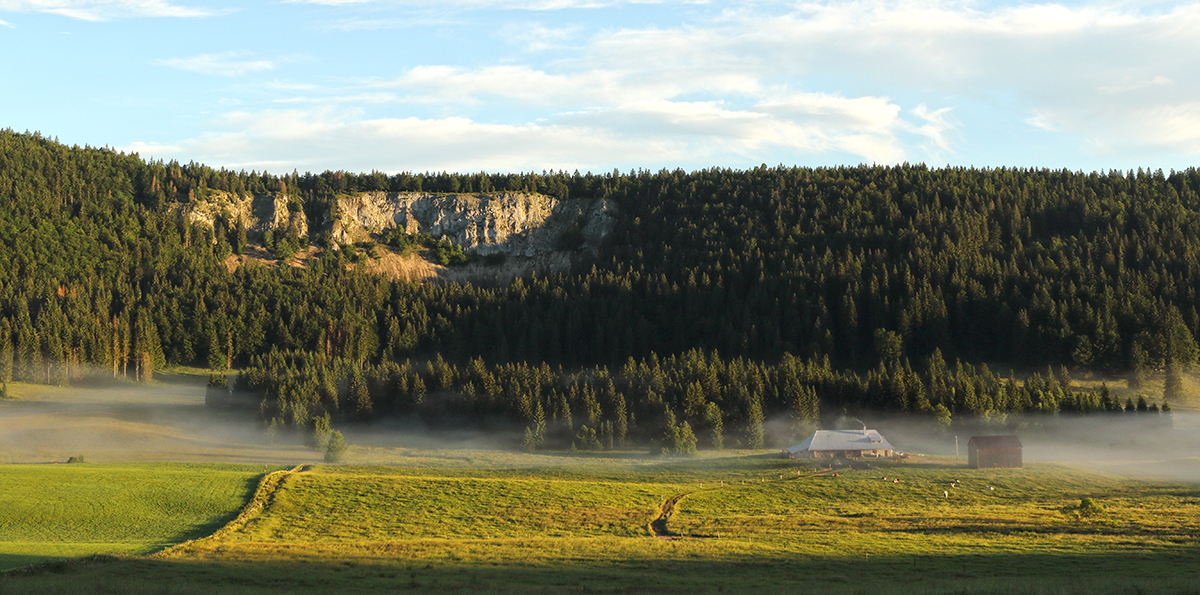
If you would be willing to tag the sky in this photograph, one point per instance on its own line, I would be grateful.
(598, 85)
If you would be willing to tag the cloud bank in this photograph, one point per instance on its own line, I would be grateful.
(875, 81)
(103, 10)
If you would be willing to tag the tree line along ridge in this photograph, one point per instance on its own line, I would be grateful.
(799, 290)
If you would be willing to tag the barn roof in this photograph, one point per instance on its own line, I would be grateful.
(995, 442)
(842, 440)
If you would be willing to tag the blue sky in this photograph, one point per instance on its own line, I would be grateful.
(520, 85)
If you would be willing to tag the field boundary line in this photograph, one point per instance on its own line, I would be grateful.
(262, 497)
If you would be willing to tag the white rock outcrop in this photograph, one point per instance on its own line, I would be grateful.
(512, 223)
(259, 213)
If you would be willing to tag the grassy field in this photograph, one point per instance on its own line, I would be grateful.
(510, 523)
(51, 512)
(413, 514)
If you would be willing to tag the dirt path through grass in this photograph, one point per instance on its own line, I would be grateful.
(659, 528)
(659, 525)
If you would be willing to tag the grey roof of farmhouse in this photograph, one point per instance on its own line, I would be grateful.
(842, 440)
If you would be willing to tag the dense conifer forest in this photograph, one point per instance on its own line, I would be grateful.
(722, 298)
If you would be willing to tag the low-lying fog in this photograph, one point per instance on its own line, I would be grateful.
(132, 423)
(171, 423)
(1134, 444)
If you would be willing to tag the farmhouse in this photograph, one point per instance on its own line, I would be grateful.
(841, 443)
(994, 452)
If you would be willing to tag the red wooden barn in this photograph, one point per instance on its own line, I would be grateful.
(994, 452)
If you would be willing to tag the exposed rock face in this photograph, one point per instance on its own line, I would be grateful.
(259, 213)
(535, 233)
(512, 223)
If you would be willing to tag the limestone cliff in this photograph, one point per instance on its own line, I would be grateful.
(510, 223)
(535, 233)
(258, 213)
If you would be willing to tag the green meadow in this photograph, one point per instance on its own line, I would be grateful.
(55, 511)
(490, 522)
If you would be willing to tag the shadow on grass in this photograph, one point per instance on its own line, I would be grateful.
(1032, 574)
(250, 484)
(11, 562)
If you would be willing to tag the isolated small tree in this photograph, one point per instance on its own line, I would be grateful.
(335, 450)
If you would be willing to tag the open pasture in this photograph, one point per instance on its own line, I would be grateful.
(121, 422)
(332, 505)
(511, 525)
(51, 512)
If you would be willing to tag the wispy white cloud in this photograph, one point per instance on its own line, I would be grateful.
(223, 64)
(273, 137)
(1133, 85)
(103, 10)
(873, 80)
(360, 98)
(151, 149)
(536, 37)
(533, 5)
(4, 23)
(1085, 71)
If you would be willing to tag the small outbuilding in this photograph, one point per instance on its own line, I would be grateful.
(828, 444)
(994, 452)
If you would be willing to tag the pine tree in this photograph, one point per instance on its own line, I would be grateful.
(685, 439)
(942, 416)
(6, 352)
(621, 428)
(1173, 383)
(359, 397)
(712, 417)
(754, 424)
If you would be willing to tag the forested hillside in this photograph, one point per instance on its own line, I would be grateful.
(721, 298)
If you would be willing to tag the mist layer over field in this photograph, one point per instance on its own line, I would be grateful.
(169, 422)
(124, 422)
(1147, 445)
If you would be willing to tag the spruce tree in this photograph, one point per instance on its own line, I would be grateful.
(712, 417)
(754, 424)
